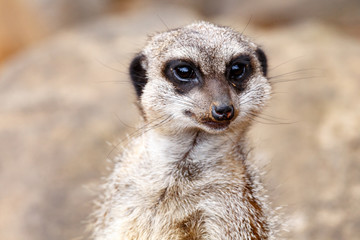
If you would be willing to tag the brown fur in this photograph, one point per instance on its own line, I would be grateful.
(187, 175)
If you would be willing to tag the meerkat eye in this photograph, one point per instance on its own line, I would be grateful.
(184, 73)
(237, 71)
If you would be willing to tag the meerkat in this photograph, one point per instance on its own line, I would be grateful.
(187, 176)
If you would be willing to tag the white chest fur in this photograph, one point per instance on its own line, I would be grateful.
(187, 188)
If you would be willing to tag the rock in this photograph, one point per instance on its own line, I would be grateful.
(19, 27)
(23, 23)
(315, 158)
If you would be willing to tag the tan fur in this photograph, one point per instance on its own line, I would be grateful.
(181, 179)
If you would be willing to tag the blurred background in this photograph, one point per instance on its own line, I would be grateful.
(65, 93)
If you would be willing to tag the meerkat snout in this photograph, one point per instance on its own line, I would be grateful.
(222, 112)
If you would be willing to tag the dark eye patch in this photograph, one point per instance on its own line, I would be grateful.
(138, 74)
(184, 75)
(238, 71)
(263, 60)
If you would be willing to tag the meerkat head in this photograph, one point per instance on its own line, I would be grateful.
(201, 76)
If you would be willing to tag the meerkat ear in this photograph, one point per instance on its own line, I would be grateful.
(263, 60)
(138, 73)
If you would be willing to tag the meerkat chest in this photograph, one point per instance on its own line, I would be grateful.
(161, 207)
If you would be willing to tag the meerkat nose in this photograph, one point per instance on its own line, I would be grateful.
(222, 112)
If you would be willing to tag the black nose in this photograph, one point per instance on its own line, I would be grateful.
(222, 112)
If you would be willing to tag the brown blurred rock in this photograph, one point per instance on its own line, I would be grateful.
(316, 159)
(19, 26)
(61, 102)
(345, 14)
(25, 22)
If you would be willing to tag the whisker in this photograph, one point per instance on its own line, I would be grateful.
(286, 62)
(111, 68)
(272, 117)
(269, 121)
(122, 122)
(189, 102)
(140, 131)
(293, 79)
(116, 82)
(247, 24)
(311, 71)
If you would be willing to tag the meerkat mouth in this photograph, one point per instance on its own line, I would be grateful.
(208, 122)
(216, 125)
